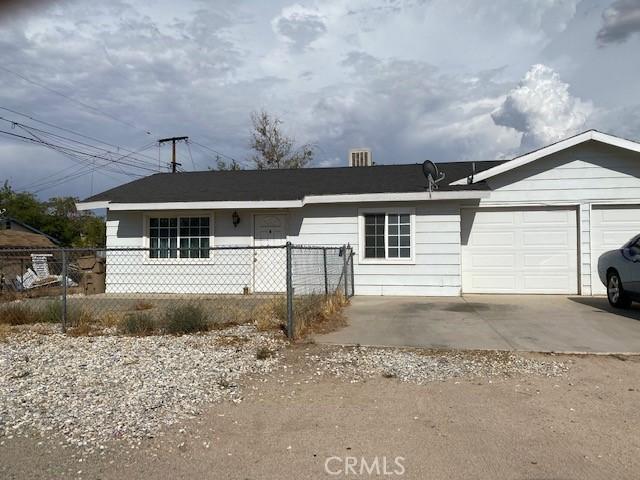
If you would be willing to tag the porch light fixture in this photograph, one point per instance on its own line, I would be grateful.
(235, 218)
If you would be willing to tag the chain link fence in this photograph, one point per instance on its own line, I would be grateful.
(286, 285)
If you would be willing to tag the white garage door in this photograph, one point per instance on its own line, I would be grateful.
(533, 250)
(611, 227)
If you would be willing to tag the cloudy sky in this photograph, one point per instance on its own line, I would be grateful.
(411, 79)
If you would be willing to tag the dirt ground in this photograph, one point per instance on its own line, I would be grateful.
(293, 424)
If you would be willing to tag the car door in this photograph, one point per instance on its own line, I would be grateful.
(632, 254)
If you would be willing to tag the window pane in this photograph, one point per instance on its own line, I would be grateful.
(393, 252)
(163, 235)
(393, 218)
(374, 236)
(404, 241)
(184, 222)
(405, 252)
(404, 218)
(405, 229)
(393, 241)
(204, 222)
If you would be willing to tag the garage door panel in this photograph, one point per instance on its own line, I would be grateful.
(547, 283)
(551, 260)
(545, 239)
(611, 227)
(532, 250)
(503, 260)
(494, 282)
(545, 217)
(493, 239)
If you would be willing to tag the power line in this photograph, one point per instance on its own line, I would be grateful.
(84, 169)
(216, 152)
(75, 151)
(29, 129)
(79, 102)
(73, 132)
(193, 164)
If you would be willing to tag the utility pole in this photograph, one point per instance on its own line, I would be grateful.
(173, 141)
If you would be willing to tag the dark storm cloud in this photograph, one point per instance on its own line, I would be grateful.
(300, 27)
(411, 79)
(619, 22)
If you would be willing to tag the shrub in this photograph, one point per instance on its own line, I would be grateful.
(18, 314)
(142, 305)
(271, 315)
(138, 324)
(81, 322)
(52, 312)
(185, 319)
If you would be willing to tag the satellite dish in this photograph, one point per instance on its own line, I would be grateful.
(432, 174)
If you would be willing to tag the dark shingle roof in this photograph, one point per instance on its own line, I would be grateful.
(290, 184)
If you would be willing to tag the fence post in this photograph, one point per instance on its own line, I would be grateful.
(64, 290)
(353, 282)
(345, 272)
(289, 293)
(326, 276)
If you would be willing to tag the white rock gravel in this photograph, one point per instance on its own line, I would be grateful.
(94, 389)
(359, 363)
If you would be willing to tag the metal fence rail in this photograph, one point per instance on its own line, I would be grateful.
(230, 284)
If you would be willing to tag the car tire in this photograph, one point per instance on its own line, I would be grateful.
(615, 292)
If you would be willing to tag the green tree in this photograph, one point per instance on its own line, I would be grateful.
(273, 148)
(57, 217)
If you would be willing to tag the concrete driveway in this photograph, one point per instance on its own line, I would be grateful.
(546, 323)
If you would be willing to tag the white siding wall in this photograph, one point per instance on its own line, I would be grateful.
(437, 251)
(132, 272)
(586, 175)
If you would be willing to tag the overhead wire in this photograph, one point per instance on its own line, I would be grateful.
(74, 100)
(73, 132)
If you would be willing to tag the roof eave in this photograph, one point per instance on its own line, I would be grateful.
(308, 200)
(551, 149)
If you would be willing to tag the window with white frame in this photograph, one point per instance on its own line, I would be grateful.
(179, 237)
(387, 236)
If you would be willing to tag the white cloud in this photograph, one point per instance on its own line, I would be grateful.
(542, 109)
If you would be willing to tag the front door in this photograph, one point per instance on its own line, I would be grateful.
(269, 265)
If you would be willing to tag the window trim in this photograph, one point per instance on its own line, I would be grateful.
(411, 211)
(146, 225)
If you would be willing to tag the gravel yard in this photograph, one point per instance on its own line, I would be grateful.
(91, 390)
(420, 367)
